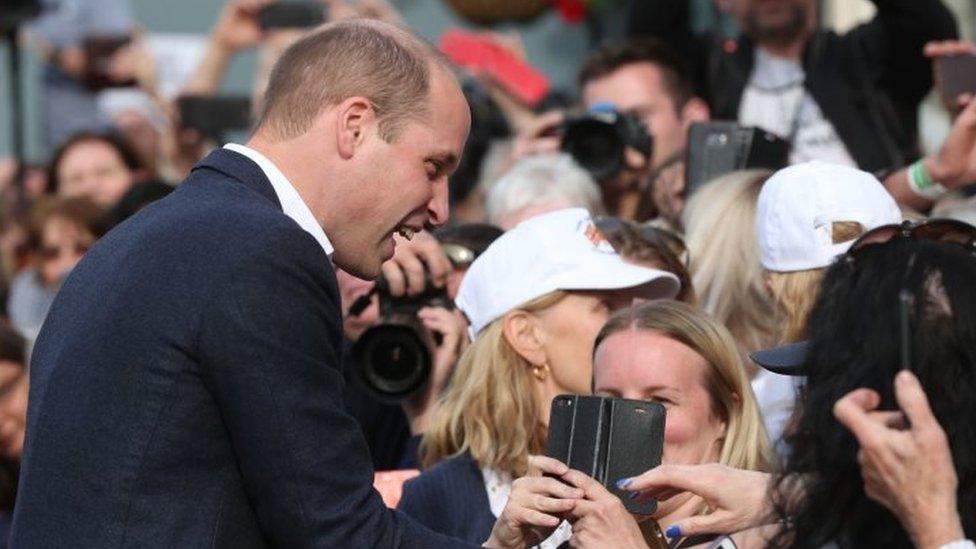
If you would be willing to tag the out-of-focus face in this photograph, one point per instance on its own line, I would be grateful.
(13, 408)
(638, 89)
(648, 365)
(63, 243)
(351, 289)
(404, 183)
(775, 21)
(94, 169)
(568, 330)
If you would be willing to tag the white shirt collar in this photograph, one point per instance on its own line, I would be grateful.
(291, 202)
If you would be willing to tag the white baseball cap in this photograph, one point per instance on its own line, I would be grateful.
(799, 204)
(560, 250)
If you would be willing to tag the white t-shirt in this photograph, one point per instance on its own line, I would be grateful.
(776, 396)
(776, 101)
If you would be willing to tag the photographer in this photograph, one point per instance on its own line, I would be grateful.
(536, 299)
(648, 81)
(393, 429)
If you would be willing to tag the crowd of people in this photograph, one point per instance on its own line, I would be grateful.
(223, 342)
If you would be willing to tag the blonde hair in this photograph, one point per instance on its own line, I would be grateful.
(745, 444)
(796, 291)
(490, 410)
(720, 222)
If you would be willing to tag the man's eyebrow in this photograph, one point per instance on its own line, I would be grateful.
(446, 158)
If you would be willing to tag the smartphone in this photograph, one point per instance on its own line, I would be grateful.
(608, 439)
(213, 116)
(98, 54)
(292, 15)
(957, 75)
(719, 147)
(481, 53)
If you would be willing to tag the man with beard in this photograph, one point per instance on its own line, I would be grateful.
(848, 99)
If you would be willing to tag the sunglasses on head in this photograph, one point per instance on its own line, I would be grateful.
(658, 238)
(950, 231)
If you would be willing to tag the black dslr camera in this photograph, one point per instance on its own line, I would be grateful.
(393, 357)
(597, 141)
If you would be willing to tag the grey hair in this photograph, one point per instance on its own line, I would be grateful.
(542, 181)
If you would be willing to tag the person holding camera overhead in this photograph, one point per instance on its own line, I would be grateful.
(536, 299)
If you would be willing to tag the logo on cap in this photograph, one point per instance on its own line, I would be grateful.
(595, 236)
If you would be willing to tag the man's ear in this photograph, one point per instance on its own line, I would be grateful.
(521, 330)
(354, 118)
(695, 110)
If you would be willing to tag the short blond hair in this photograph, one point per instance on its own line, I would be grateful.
(386, 64)
(490, 410)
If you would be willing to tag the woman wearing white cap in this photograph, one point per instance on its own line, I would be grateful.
(536, 300)
(807, 215)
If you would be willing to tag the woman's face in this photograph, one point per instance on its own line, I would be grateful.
(94, 169)
(648, 365)
(63, 243)
(13, 408)
(568, 330)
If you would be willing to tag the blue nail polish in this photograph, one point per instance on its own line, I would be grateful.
(634, 495)
(673, 531)
(623, 483)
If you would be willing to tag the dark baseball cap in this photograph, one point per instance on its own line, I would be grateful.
(787, 360)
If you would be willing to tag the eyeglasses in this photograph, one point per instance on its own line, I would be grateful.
(950, 231)
(656, 237)
(51, 253)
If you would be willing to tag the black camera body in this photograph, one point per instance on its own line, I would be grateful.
(598, 139)
(393, 357)
(608, 439)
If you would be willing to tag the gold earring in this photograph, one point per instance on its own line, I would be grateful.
(541, 372)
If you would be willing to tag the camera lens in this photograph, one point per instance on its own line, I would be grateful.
(596, 146)
(393, 360)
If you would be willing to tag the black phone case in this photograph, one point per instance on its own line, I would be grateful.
(608, 439)
(292, 15)
(213, 116)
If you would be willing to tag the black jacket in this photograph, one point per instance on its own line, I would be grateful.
(186, 389)
(868, 82)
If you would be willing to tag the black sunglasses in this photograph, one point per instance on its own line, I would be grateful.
(951, 231)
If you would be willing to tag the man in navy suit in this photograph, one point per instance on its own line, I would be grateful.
(186, 388)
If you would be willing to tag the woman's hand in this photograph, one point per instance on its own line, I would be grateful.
(601, 520)
(535, 507)
(739, 499)
(909, 470)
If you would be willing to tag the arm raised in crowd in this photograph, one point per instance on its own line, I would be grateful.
(236, 29)
(905, 460)
(953, 166)
(894, 41)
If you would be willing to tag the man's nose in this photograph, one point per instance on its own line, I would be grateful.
(438, 209)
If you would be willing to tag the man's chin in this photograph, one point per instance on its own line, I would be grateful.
(360, 269)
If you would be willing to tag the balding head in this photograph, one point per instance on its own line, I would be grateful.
(385, 64)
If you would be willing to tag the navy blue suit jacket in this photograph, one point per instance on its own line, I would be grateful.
(450, 498)
(186, 388)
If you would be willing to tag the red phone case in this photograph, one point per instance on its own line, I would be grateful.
(480, 53)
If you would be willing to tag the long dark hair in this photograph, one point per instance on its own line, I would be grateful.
(854, 329)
